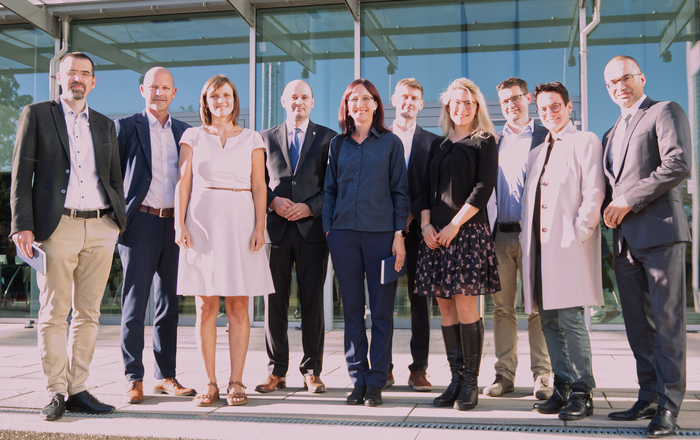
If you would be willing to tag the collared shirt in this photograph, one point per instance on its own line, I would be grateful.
(406, 137)
(619, 135)
(302, 133)
(513, 154)
(366, 186)
(84, 191)
(164, 164)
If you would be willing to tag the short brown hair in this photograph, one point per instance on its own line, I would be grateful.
(552, 87)
(215, 83)
(411, 83)
(513, 81)
(79, 56)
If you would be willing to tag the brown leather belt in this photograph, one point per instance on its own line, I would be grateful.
(229, 189)
(93, 213)
(162, 213)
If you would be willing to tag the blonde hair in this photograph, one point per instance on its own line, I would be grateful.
(481, 125)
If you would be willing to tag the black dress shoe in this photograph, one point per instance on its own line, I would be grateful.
(55, 409)
(358, 395)
(373, 397)
(86, 402)
(579, 406)
(663, 424)
(640, 410)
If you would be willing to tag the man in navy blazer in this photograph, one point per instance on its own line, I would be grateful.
(519, 135)
(148, 151)
(408, 102)
(297, 155)
(646, 158)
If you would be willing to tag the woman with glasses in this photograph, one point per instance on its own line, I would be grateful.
(219, 226)
(560, 240)
(457, 260)
(364, 217)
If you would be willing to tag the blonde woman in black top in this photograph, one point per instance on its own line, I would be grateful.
(457, 260)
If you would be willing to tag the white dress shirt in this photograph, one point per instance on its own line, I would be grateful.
(85, 191)
(616, 150)
(302, 134)
(406, 137)
(164, 164)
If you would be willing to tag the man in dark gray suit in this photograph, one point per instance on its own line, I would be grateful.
(646, 159)
(148, 152)
(67, 194)
(297, 154)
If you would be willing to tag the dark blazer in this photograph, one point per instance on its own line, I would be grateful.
(656, 152)
(41, 167)
(134, 138)
(473, 172)
(305, 185)
(417, 164)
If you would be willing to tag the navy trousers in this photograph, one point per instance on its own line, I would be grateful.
(149, 255)
(357, 255)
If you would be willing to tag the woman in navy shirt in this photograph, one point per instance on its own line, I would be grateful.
(457, 260)
(364, 217)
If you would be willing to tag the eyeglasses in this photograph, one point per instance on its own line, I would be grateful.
(625, 80)
(514, 99)
(364, 100)
(467, 104)
(80, 73)
(553, 108)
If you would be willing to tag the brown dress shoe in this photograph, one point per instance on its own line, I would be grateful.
(171, 386)
(272, 383)
(134, 391)
(314, 384)
(418, 380)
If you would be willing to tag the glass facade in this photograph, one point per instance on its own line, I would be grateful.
(432, 41)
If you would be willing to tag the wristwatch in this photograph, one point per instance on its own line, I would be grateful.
(401, 233)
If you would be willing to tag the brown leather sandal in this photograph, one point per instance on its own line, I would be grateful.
(236, 398)
(207, 399)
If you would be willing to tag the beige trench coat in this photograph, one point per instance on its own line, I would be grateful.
(572, 193)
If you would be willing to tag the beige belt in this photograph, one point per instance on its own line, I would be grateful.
(229, 189)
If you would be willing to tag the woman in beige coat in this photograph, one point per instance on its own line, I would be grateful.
(563, 193)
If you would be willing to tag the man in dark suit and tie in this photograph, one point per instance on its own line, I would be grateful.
(519, 135)
(646, 158)
(67, 195)
(408, 102)
(297, 156)
(148, 152)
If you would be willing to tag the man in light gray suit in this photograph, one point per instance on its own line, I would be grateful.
(646, 159)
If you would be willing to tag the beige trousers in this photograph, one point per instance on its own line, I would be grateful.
(78, 261)
(505, 320)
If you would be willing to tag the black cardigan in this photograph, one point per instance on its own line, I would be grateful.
(473, 171)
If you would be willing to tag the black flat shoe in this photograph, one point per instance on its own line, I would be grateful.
(640, 410)
(663, 424)
(373, 397)
(86, 402)
(357, 397)
(55, 409)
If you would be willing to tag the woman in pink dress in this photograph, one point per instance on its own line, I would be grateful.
(220, 225)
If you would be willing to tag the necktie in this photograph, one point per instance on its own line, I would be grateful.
(617, 146)
(295, 149)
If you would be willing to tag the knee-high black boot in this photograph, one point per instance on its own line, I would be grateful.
(453, 348)
(472, 338)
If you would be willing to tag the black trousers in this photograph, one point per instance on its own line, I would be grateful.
(311, 261)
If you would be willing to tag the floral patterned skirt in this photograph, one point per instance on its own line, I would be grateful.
(466, 266)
